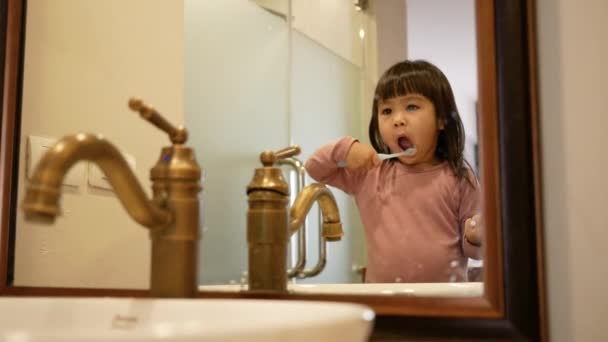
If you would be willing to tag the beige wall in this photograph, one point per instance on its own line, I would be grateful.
(83, 60)
(573, 50)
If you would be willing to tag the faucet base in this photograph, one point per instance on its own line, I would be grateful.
(267, 268)
(173, 276)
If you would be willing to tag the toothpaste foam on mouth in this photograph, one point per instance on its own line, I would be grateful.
(410, 151)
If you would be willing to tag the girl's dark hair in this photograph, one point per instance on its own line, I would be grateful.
(424, 78)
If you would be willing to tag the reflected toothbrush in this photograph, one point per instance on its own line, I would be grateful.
(409, 152)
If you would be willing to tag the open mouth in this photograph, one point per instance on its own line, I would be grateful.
(405, 143)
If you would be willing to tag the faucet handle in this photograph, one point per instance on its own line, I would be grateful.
(177, 135)
(268, 158)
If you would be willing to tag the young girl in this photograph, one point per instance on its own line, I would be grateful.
(420, 210)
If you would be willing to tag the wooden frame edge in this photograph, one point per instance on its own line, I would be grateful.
(489, 150)
(536, 151)
(10, 59)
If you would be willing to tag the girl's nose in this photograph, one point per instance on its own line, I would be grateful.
(399, 120)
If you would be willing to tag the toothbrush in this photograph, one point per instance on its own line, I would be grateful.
(409, 152)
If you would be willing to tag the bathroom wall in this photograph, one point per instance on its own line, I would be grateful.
(236, 97)
(263, 98)
(84, 59)
(572, 51)
(391, 32)
(326, 93)
(448, 41)
(333, 24)
(383, 33)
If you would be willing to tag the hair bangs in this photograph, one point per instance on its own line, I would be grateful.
(404, 83)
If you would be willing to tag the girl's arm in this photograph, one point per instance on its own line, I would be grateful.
(335, 164)
(470, 221)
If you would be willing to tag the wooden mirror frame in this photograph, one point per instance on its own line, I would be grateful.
(513, 304)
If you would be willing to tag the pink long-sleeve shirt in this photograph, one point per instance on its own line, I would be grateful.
(414, 220)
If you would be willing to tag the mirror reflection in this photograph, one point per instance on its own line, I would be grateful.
(244, 77)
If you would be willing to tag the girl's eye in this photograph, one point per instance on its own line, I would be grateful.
(411, 107)
(386, 111)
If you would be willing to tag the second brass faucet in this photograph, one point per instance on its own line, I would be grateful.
(270, 222)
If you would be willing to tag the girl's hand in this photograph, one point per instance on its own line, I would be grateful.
(361, 157)
(473, 230)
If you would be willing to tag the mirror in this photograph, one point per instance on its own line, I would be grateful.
(290, 68)
(506, 87)
(316, 79)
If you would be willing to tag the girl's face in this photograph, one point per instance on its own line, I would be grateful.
(407, 121)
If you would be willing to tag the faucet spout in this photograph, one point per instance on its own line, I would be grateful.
(43, 191)
(332, 226)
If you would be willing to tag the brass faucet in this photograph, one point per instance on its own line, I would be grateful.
(172, 215)
(270, 223)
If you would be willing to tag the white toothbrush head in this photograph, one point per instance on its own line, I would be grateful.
(408, 153)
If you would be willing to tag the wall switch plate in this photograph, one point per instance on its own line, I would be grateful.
(99, 180)
(37, 147)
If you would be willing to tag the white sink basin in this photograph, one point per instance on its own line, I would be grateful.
(472, 289)
(397, 289)
(125, 319)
